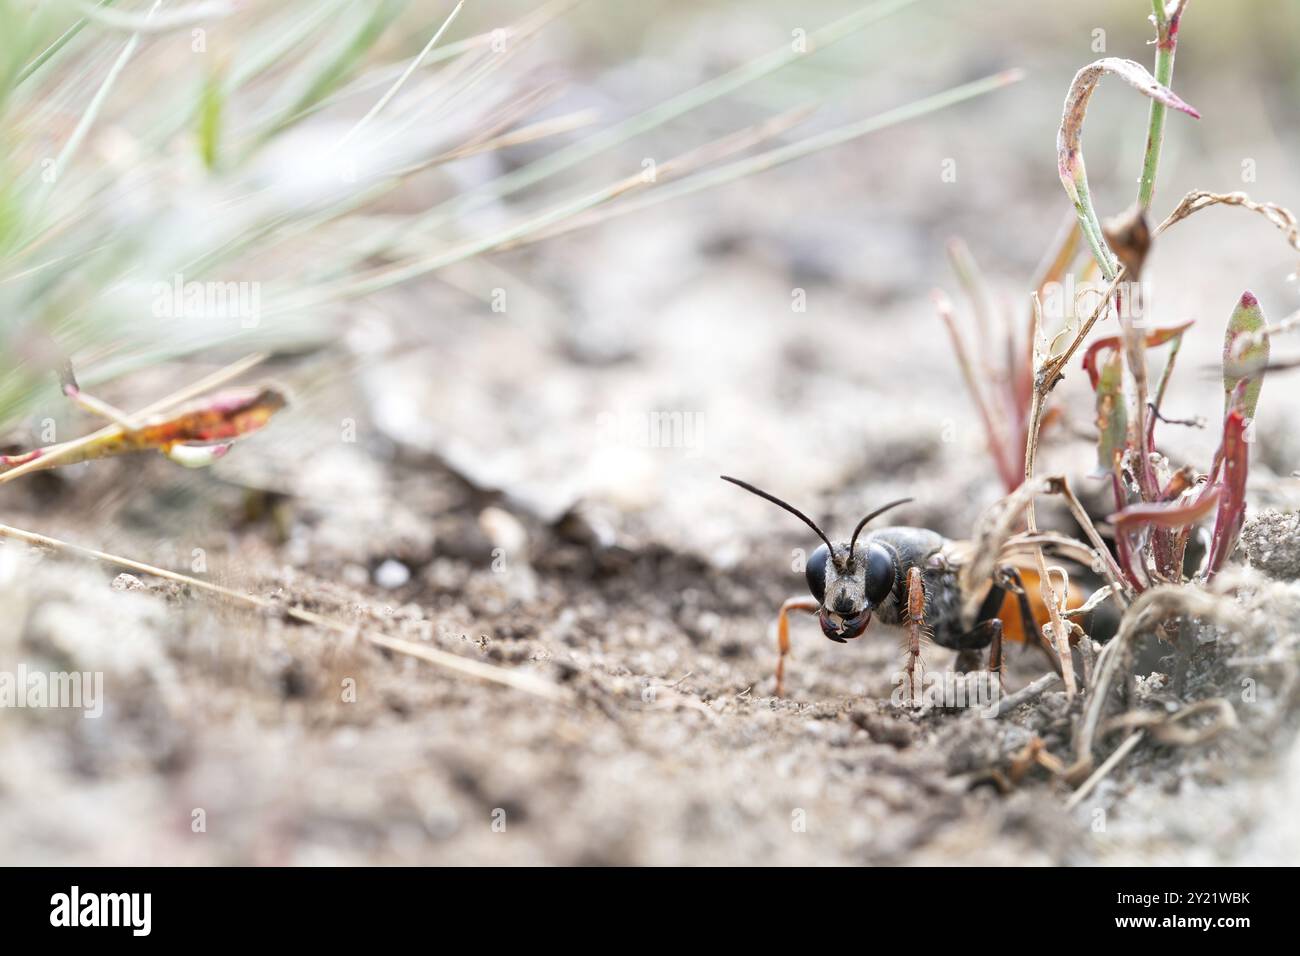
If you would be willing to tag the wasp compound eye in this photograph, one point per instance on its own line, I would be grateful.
(815, 572)
(880, 574)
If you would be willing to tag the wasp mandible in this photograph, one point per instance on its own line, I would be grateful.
(911, 578)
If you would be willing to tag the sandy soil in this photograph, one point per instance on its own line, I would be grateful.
(292, 745)
(537, 488)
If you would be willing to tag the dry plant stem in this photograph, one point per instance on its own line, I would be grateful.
(1087, 607)
(1109, 764)
(1153, 605)
(1060, 633)
(206, 384)
(1122, 592)
(401, 80)
(434, 656)
(1163, 728)
(1289, 324)
(996, 439)
(1058, 544)
(50, 51)
(1030, 691)
(709, 91)
(972, 282)
(487, 672)
(1108, 663)
(1055, 263)
(1199, 199)
(1049, 374)
(1060, 636)
(674, 169)
(89, 116)
(567, 123)
(1168, 728)
(389, 276)
(1158, 402)
(1103, 673)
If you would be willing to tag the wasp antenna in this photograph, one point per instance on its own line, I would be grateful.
(788, 507)
(875, 514)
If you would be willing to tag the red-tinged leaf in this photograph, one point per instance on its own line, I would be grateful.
(1232, 502)
(214, 422)
(1069, 138)
(1112, 418)
(1177, 515)
(1115, 343)
(219, 417)
(1245, 354)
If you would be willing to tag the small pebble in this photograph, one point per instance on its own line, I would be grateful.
(392, 574)
(127, 582)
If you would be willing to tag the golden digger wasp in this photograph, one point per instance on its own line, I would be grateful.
(919, 580)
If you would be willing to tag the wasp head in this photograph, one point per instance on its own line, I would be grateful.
(847, 580)
(848, 585)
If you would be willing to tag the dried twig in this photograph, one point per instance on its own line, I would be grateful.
(996, 437)
(1199, 199)
(1164, 729)
(1030, 691)
(206, 384)
(1060, 485)
(65, 452)
(1152, 606)
(1060, 635)
(1109, 764)
(444, 659)
(1168, 728)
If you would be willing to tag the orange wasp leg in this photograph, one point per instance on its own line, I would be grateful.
(806, 604)
(915, 627)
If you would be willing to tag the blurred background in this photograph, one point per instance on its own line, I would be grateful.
(530, 299)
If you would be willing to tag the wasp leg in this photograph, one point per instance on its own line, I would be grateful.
(995, 650)
(987, 633)
(783, 634)
(915, 625)
(1027, 620)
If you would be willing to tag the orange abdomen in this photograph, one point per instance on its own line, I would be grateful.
(1012, 628)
